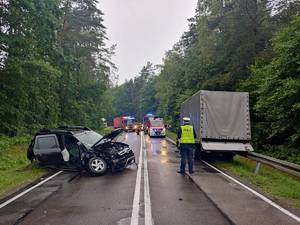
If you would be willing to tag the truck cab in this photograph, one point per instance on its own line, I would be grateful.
(128, 123)
(146, 122)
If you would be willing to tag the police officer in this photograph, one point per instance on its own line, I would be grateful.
(186, 135)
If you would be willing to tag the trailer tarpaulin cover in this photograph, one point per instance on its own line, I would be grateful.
(219, 115)
(225, 115)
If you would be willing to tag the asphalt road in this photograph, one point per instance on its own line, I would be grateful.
(70, 199)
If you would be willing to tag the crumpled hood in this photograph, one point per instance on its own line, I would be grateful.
(111, 136)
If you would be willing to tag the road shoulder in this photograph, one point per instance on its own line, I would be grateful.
(20, 208)
(237, 203)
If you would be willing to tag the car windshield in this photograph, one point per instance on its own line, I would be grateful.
(157, 123)
(89, 138)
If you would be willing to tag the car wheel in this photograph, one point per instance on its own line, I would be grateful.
(97, 166)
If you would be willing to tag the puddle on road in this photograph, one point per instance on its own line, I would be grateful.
(159, 148)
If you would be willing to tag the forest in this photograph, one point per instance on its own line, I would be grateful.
(56, 67)
(233, 45)
(54, 64)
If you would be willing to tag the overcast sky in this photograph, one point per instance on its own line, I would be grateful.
(144, 30)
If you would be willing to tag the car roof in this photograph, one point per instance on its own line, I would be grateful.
(71, 130)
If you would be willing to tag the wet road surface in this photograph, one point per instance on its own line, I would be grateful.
(70, 199)
(175, 199)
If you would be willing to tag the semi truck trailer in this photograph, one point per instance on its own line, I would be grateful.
(221, 121)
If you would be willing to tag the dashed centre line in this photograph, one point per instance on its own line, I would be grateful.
(137, 190)
(148, 213)
(143, 164)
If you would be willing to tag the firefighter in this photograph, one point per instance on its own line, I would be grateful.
(186, 136)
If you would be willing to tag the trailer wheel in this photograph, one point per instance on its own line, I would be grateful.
(205, 156)
(228, 156)
(198, 152)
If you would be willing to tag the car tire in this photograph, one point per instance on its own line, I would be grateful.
(97, 166)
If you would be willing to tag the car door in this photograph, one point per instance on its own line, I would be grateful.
(71, 144)
(47, 149)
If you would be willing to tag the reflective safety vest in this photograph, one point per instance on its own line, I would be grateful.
(187, 135)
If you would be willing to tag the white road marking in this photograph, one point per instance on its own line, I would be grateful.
(283, 210)
(137, 190)
(148, 213)
(29, 189)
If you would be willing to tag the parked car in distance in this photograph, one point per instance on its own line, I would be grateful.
(80, 147)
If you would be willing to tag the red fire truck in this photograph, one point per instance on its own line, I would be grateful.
(118, 122)
(146, 122)
(125, 122)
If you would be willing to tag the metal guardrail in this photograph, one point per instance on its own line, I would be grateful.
(290, 168)
(285, 166)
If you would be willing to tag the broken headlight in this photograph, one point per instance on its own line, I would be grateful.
(123, 151)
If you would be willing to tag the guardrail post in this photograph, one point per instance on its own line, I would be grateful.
(257, 167)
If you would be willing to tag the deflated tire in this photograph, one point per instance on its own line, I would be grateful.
(97, 166)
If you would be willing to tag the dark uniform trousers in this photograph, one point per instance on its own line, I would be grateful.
(186, 152)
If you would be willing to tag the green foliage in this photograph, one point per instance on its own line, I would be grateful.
(214, 54)
(15, 169)
(240, 46)
(105, 130)
(7, 142)
(171, 134)
(55, 67)
(220, 55)
(136, 97)
(276, 85)
(282, 152)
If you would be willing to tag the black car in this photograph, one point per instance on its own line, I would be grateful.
(80, 147)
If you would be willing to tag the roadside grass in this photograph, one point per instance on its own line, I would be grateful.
(279, 185)
(106, 130)
(6, 142)
(171, 134)
(15, 168)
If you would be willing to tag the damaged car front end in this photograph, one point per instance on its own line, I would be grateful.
(118, 154)
(81, 148)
